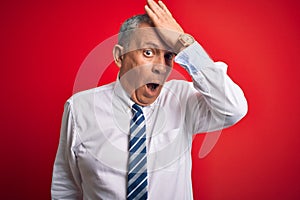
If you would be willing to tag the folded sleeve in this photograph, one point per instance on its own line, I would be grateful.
(66, 176)
(217, 102)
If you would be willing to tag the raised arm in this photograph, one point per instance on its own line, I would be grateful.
(217, 102)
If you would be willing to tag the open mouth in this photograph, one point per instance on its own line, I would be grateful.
(152, 86)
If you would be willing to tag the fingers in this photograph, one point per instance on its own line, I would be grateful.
(155, 8)
(164, 7)
(151, 14)
(159, 9)
(161, 16)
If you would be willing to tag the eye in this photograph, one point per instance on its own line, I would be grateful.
(169, 56)
(148, 52)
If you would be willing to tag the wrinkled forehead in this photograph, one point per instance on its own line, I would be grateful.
(145, 37)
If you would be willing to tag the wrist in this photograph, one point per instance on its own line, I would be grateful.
(184, 40)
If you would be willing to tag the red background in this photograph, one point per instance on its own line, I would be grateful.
(43, 44)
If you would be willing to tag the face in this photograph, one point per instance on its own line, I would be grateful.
(145, 66)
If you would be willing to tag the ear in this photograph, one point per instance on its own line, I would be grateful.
(118, 54)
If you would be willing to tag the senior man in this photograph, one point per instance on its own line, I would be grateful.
(131, 139)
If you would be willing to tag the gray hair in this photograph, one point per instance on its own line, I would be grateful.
(129, 25)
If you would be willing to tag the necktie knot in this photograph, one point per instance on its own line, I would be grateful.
(136, 109)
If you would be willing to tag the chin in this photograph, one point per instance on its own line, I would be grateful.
(146, 95)
(143, 101)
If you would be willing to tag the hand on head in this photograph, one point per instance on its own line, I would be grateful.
(167, 27)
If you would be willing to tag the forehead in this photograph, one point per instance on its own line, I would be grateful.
(144, 37)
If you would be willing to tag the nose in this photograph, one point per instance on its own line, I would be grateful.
(159, 66)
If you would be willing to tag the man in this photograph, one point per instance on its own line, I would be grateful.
(131, 139)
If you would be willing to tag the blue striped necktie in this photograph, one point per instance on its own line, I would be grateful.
(137, 168)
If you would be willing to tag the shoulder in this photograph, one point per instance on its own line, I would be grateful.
(181, 88)
(88, 97)
(179, 85)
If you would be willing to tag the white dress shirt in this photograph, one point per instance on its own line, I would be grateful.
(92, 157)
